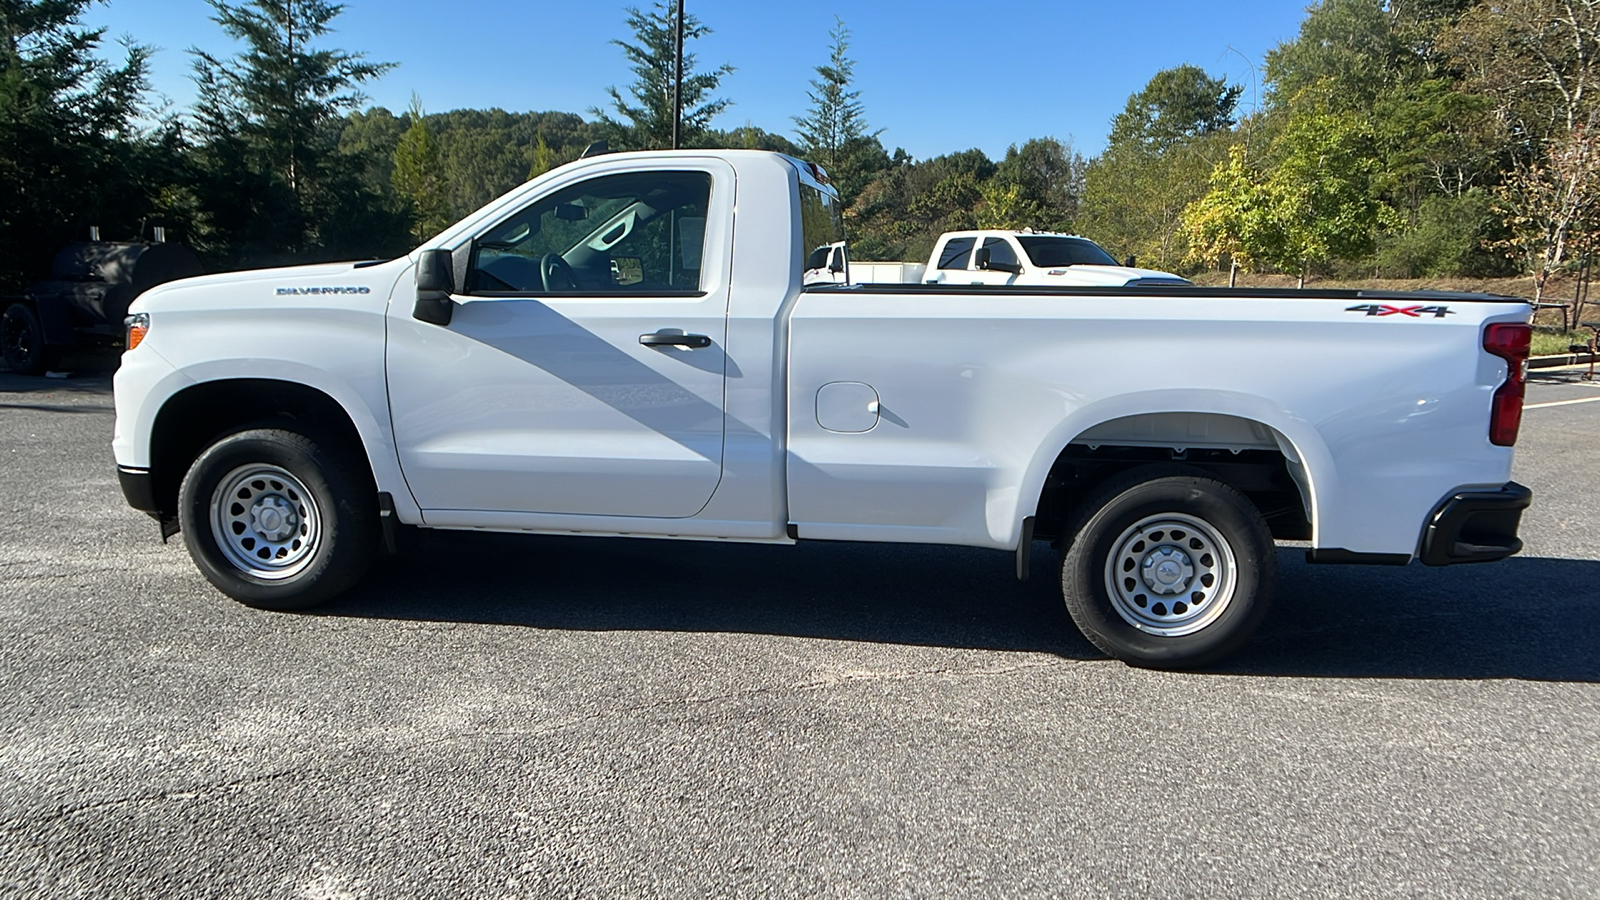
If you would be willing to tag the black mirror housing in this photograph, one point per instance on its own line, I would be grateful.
(982, 257)
(435, 280)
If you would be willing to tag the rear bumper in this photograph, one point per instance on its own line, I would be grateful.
(1476, 526)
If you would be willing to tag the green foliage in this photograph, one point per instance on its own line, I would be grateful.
(836, 115)
(1445, 239)
(1552, 206)
(74, 154)
(1400, 137)
(272, 183)
(1432, 139)
(902, 212)
(1229, 222)
(419, 175)
(648, 117)
(1048, 177)
(1318, 196)
(1175, 106)
(1133, 202)
(1162, 146)
(1350, 45)
(543, 158)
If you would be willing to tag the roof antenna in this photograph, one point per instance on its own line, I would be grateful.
(594, 149)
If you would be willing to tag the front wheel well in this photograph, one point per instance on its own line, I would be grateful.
(1262, 476)
(194, 418)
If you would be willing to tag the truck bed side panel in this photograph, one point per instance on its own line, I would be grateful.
(978, 394)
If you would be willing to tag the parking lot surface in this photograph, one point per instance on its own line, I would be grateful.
(503, 716)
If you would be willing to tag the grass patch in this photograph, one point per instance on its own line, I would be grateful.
(1549, 341)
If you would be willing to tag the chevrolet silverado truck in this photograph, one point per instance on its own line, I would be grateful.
(1003, 257)
(628, 345)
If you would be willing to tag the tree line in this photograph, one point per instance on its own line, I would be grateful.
(1389, 138)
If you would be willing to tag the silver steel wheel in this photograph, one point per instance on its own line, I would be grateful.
(265, 521)
(1170, 575)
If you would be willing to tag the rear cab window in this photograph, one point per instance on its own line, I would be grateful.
(826, 259)
(956, 253)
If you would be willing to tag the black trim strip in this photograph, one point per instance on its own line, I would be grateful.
(558, 295)
(1157, 290)
(1341, 556)
(139, 489)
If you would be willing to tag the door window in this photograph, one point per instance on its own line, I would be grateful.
(625, 234)
(1000, 251)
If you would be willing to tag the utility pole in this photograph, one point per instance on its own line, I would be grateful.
(677, 80)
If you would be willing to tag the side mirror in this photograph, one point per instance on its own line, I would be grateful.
(982, 257)
(435, 281)
(1130, 261)
(836, 263)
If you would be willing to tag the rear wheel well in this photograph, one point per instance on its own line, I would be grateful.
(1263, 476)
(193, 419)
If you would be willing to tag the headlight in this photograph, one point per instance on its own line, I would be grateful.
(137, 325)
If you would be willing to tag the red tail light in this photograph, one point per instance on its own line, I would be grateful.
(1510, 342)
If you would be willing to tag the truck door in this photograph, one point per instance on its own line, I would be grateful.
(582, 369)
(1002, 260)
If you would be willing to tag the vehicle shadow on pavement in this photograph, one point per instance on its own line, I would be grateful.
(1530, 618)
(881, 593)
(1534, 618)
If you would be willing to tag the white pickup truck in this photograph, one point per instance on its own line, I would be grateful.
(1001, 257)
(627, 346)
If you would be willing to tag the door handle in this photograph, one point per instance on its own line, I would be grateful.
(660, 339)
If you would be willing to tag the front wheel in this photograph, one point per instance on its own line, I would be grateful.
(1168, 570)
(22, 341)
(278, 520)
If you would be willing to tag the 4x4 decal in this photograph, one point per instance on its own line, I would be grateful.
(1413, 312)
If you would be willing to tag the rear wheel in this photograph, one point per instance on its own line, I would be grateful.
(22, 341)
(278, 520)
(1168, 569)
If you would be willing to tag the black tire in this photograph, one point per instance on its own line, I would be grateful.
(306, 507)
(22, 341)
(1168, 568)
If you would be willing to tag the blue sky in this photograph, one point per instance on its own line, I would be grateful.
(936, 76)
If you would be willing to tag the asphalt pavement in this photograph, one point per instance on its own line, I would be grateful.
(502, 716)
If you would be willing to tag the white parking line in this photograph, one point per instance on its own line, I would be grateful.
(1562, 403)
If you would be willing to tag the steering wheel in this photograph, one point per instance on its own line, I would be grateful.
(552, 270)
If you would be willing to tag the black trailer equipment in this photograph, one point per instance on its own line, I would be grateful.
(85, 299)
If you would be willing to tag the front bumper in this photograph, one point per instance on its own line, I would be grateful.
(1476, 526)
(139, 489)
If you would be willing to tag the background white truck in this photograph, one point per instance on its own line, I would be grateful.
(602, 351)
(1002, 257)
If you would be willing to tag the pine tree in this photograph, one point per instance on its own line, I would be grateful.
(419, 175)
(649, 116)
(71, 153)
(833, 133)
(267, 121)
(543, 158)
(836, 117)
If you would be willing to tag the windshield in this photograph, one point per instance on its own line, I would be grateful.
(1051, 252)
